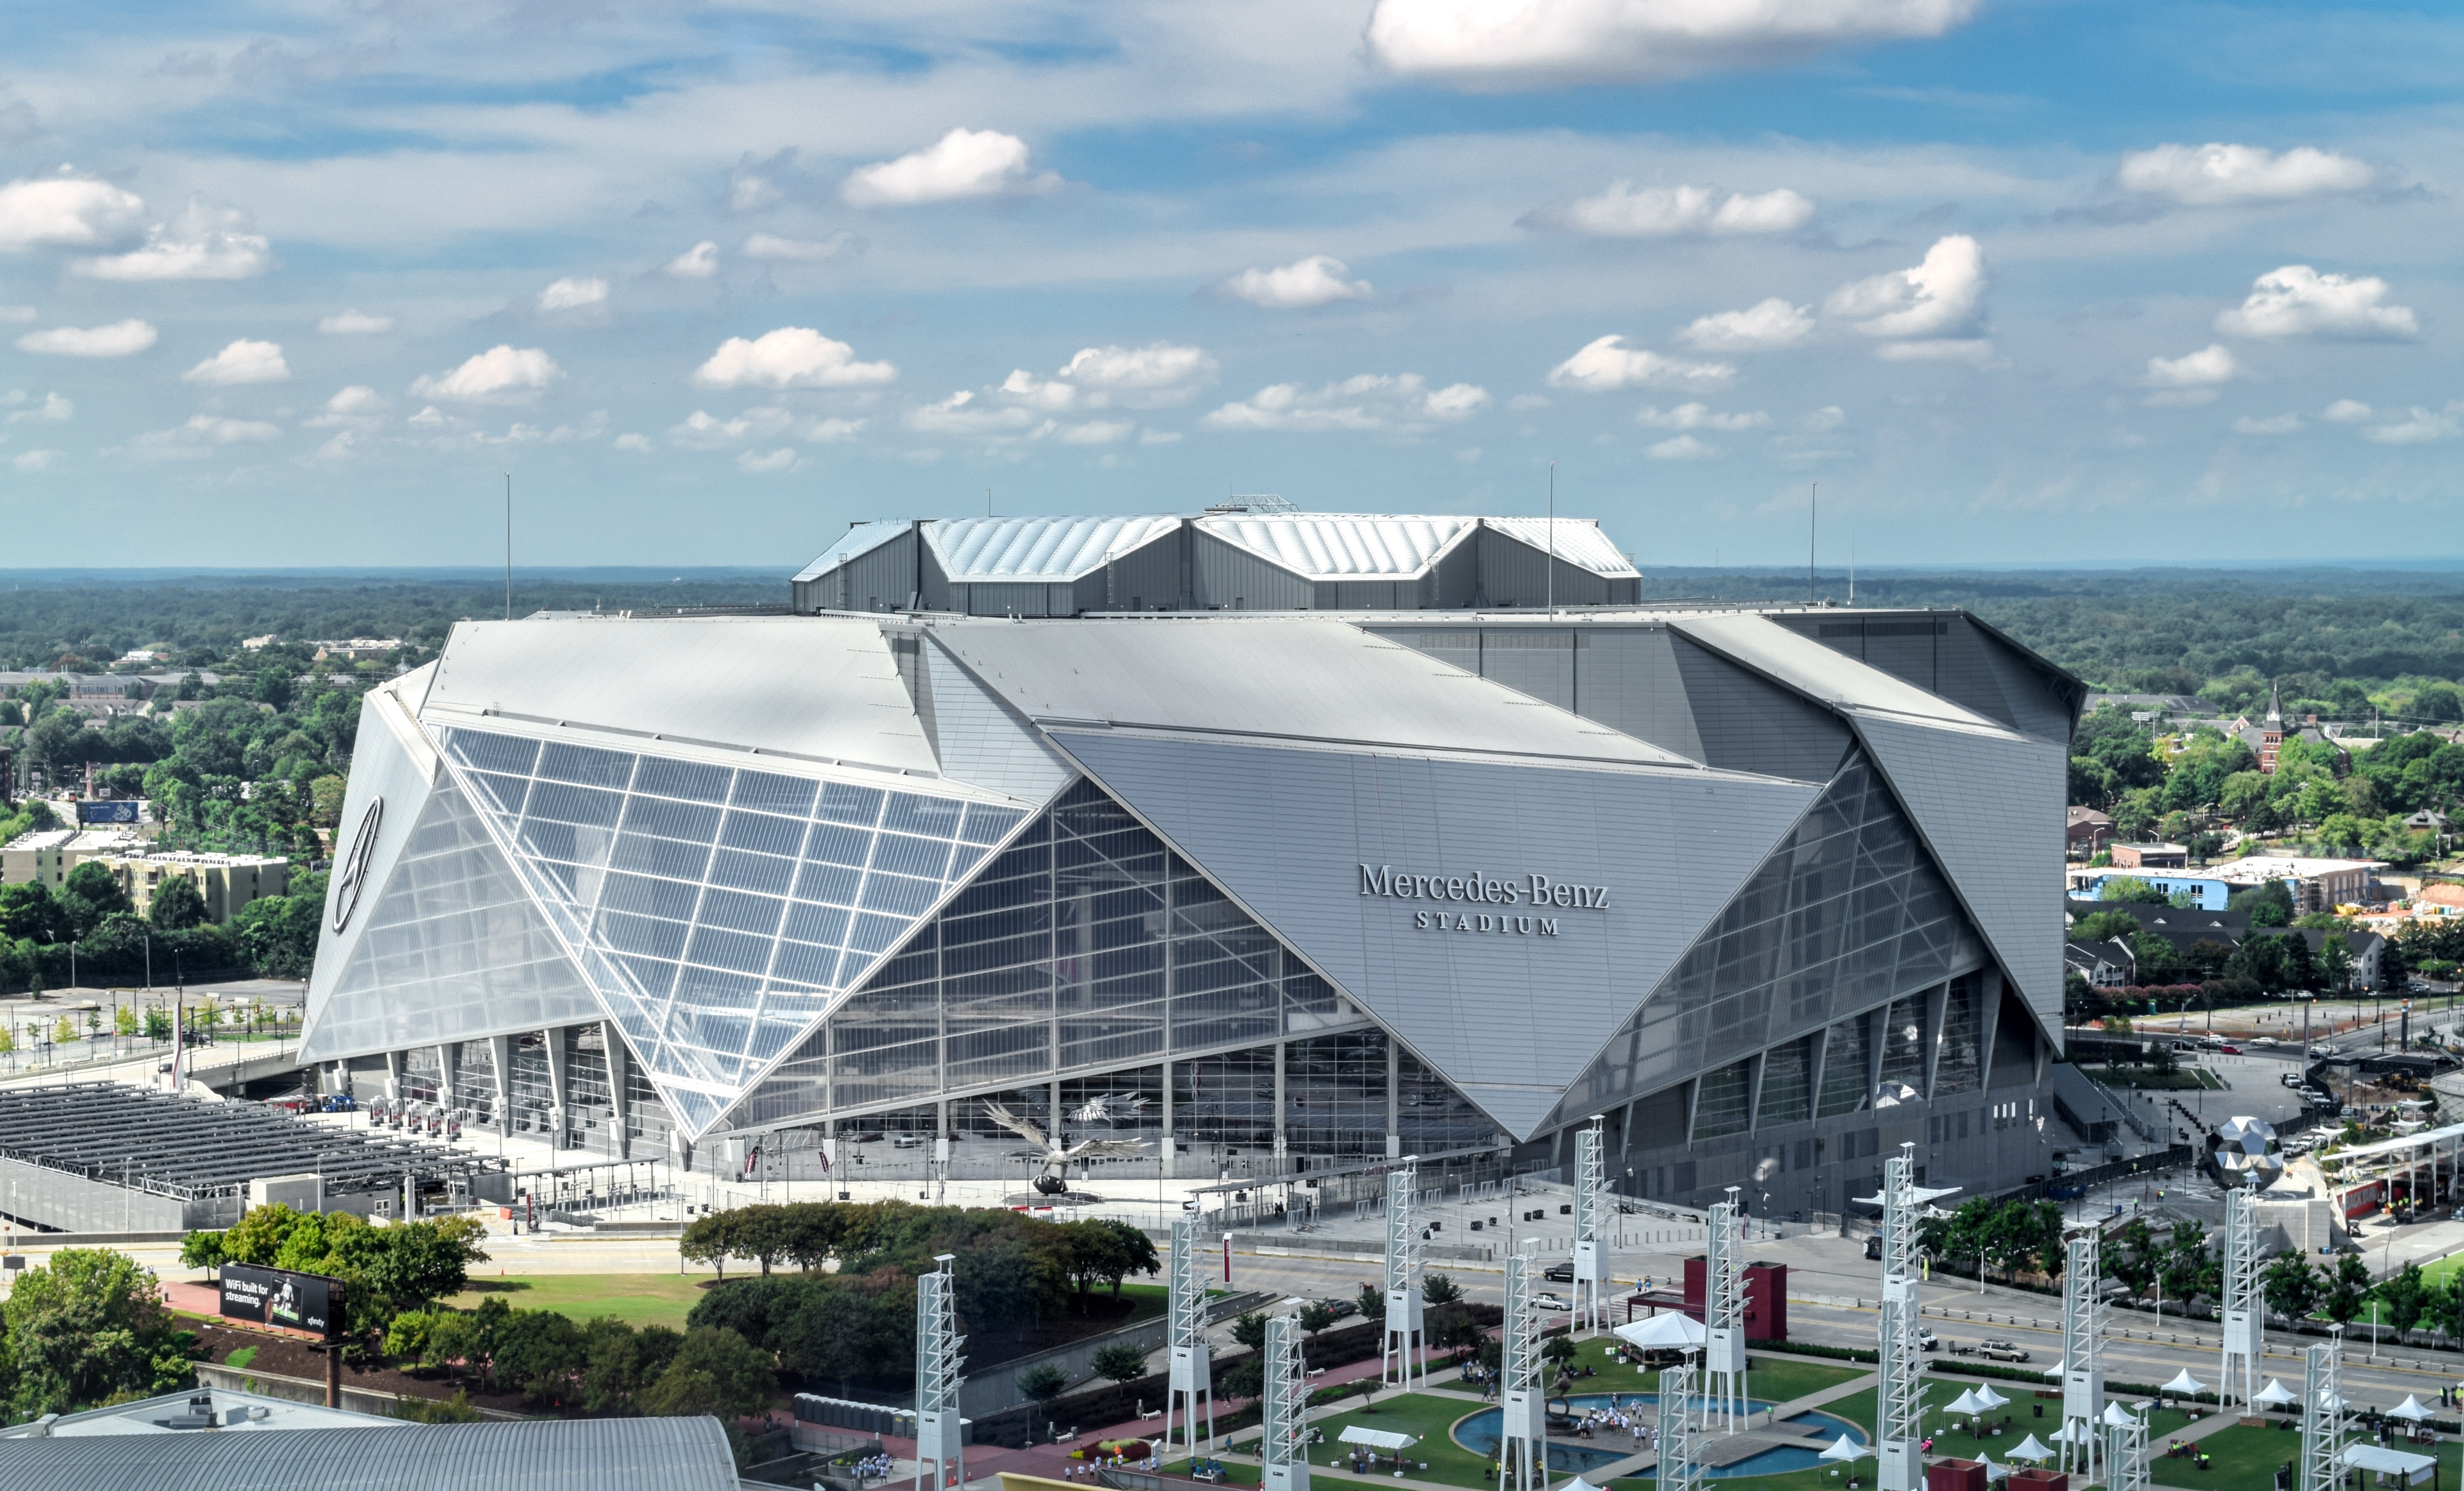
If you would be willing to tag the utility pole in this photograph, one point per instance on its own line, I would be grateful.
(1552, 539)
(509, 545)
(1813, 518)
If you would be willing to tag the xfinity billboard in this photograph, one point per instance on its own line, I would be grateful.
(278, 1297)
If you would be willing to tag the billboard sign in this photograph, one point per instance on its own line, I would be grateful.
(278, 1297)
(119, 810)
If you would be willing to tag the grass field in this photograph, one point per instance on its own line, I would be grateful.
(640, 1298)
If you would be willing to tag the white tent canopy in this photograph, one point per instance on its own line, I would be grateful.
(2075, 1433)
(1578, 1483)
(2274, 1393)
(2057, 1368)
(1376, 1438)
(1994, 1472)
(1662, 1331)
(2411, 1407)
(2183, 1385)
(2392, 1462)
(1988, 1399)
(2117, 1416)
(1845, 1450)
(1964, 1403)
(2029, 1449)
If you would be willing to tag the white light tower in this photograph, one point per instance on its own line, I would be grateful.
(1523, 1427)
(1283, 1450)
(1899, 1395)
(1679, 1469)
(1193, 1366)
(936, 1377)
(2323, 1415)
(2244, 1314)
(1403, 1314)
(1590, 1224)
(2082, 1355)
(1724, 1315)
(2125, 1449)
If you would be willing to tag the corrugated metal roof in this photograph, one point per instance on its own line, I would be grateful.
(580, 1455)
(1037, 548)
(1342, 545)
(1579, 541)
(1308, 680)
(862, 539)
(1818, 672)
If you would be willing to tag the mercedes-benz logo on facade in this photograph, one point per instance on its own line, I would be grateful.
(355, 865)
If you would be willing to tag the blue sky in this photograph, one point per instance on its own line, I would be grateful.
(2014, 280)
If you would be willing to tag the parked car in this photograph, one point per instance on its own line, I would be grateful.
(1560, 1272)
(2290, 1078)
(1550, 1302)
(2228, 1050)
(2001, 1350)
(1924, 1340)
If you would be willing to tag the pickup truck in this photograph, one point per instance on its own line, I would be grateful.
(2001, 1351)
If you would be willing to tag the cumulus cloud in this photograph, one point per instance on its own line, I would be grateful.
(2420, 427)
(358, 406)
(1315, 280)
(2229, 175)
(749, 191)
(829, 431)
(2275, 424)
(31, 461)
(960, 413)
(204, 242)
(1371, 402)
(53, 409)
(1607, 363)
(703, 431)
(1975, 351)
(1830, 417)
(2190, 379)
(1157, 375)
(791, 357)
(201, 434)
(1675, 212)
(16, 313)
(502, 374)
(120, 338)
(962, 163)
(2349, 412)
(1538, 43)
(65, 212)
(242, 361)
(574, 294)
(2298, 300)
(797, 251)
(763, 463)
(355, 322)
(698, 262)
(1683, 446)
(1698, 417)
(1761, 328)
(1936, 299)
(635, 444)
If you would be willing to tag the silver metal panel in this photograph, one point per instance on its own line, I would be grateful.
(1818, 672)
(814, 686)
(1989, 806)
(1037, 548)
(393, 762)
(1514, 571)
(1743, 723)
(982, 740)
(1342, 545)
(1964, 675)
(2036, 708)
(857, 542)
(1579, 542)
(1627, 678)
(1145, 578)
(1670, 848)
(536, 1454)
(1228, 577)
(1535, 660)
(1304, 679)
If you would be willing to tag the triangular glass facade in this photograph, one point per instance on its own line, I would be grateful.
(717, 910)
(1086, 944)
(1846, 913)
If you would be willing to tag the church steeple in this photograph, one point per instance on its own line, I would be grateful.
(2275, 705)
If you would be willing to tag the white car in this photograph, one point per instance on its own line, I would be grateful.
(1550, 1302)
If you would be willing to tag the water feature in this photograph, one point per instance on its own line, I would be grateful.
(1478, 1433)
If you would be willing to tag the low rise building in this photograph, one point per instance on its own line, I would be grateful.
(47, 856)
(2316, 884)
(2088, 831)
(2204, 891)
(226, 882)
(2149, 857)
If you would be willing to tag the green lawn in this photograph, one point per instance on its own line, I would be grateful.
(2249, 1457)
(640, 1299)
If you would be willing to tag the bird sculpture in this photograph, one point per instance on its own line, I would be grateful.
(1058, 1155)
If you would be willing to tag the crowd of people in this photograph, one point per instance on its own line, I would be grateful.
(875, 1467)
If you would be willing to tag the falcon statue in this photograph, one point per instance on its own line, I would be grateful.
(1058, 1157)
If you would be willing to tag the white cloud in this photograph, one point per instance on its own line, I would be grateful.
(2348, 412)
(829, 431)
(1937, 298)
(2298, 300)
(120, 338)
(201, 243)
(242, 361)
(1676, 211)
(698, 262)
(1154, 436)
(2275, 424)
(431, 418)
(16, 313)
(791, 357)
(701, 431)
(748, 192)
(1315, 280)
(1523, 403)
(1469, 456)
(1830, 417)
(358, 406)
(1370, 402)
(53, 409)
(1096, 431)
(1683, 446)
(355, 322)
(2422, 428)
(763, 463)
(803, 251)
(962, 165)
(636, 444)
(201, 434)
(1606, 364)
(65, 212)
(960, 414)
(1975, 351)
(1760, 328)
(2191, 379)
(502, 374)
(1157, 375)
(35, 460)
(342, 445)
(1529, 43)
(1698, 417)
(2224, 175)
(574, 294)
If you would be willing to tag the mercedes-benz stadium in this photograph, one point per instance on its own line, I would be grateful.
(1269, 842)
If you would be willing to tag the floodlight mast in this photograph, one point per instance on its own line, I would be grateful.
(2125, 1451)
(2322, 1414)
(2245, 1317)
(1592, 1213)
(1898, 1397)
(1404, 1320)
(1681, 1439)
(1523, 1420)
(939, 1441)
(1723, 1316)
(2082, 1354)
(1283, 1451)
(1193, 1376)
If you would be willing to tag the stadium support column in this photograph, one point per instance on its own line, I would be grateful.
(1899, 1401)
(2323, 1415)
(1280, 1104)
(620, 1113)
(1283, 1451)
(1724, 1315)
(552, 1052)
(1591, 1226)
(1681, 1441)
(2125, 1449)
(1193, 1366)
(1393, 1099)
(500, 1077)
(1404, 1320)
(1523, 1430)
(2245, 1317)
(938, 1361)
(2082, 1355)
(1171, 1145)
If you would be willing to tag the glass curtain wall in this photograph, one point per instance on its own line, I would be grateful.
(1959, 1067)
(1847, 1068)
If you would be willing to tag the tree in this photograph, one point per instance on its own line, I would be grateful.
(176, 904)
(714, 1372)
(1120, 1363)
(542, 1353)
(2348, 1289)
(89, 1327)
(2405, 1298)
(1373, 1304)
(1042, 1382)
(90, 894)
(2291, 1286)
(2132, 889)
(1315, 1316)
(1117, 1250)
(1440, 1289)
(1245, 1378)
(1250, 1328)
